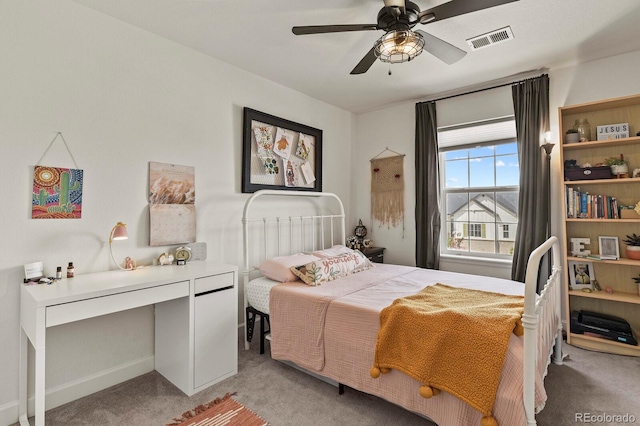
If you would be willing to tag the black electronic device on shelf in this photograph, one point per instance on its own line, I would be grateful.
(602, 325)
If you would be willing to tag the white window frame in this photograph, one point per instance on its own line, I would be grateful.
(487, 139)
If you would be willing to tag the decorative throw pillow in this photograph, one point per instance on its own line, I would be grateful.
(329, 268)
(279, 268)
(336, 250)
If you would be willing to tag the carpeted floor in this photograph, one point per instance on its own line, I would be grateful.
(589, 382)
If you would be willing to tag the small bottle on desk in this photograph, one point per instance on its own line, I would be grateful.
(59, 273)
(70, 270)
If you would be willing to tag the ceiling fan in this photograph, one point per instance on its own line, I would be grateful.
(400, 43)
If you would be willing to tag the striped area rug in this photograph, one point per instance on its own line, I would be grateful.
(223, 411)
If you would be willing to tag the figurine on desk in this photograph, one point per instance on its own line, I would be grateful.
(165, 259)
(129, 263)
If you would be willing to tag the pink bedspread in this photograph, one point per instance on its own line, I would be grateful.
(332, 329)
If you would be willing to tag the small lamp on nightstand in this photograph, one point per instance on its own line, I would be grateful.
(119, 232)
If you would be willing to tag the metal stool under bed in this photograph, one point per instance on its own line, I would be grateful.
(252, 313)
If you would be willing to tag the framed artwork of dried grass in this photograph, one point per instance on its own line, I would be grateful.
(172, 210)
(280, 154)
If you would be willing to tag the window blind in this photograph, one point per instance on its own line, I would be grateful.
(490, 131)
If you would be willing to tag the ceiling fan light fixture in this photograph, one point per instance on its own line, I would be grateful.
(398, 46)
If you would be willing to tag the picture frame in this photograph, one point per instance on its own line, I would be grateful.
(609, 248)
(280, 154)
(581, 275)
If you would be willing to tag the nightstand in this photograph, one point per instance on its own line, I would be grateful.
(374, 254)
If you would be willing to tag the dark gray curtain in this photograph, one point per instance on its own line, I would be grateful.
(427, 187)
(531, 108)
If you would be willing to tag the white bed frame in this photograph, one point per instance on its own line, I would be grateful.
(537, 308)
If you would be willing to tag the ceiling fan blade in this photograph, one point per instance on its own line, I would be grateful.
(457, 7)
(442, 50)
(366, 62)
(319, 29)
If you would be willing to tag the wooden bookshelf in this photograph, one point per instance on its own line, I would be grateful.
(604, 345)
(611, 181)
(575, 219)
(622, 261)
(603, 295)
(616, 274)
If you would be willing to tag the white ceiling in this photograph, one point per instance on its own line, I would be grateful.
(255, 35)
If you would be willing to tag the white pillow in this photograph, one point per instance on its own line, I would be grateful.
(279, 268)
(336, 250)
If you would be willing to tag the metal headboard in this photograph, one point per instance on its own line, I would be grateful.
(284, 234)
(321, 228)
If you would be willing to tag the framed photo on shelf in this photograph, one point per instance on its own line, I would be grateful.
(280, 154)
(609, 248)
(581, 275)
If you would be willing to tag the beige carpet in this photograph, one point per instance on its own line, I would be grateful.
(589, 382)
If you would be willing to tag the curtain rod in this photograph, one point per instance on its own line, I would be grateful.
(482, 90)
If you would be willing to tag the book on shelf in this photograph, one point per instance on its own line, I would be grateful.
(584, 205)
(602, 257)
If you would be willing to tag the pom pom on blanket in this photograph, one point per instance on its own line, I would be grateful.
(518, 330)
(375, 371)
(427, 391)
(488, 421)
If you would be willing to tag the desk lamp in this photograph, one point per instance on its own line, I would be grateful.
(118, 232)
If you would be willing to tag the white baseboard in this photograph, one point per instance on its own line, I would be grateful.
(9, 413)
(82, 387)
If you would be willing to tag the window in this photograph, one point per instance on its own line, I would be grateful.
(480, 184)
(475, 230)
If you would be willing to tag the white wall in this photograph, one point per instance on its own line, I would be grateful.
(395, 127)
(121, 97)
(391, 128)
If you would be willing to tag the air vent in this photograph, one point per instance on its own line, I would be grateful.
(489, 39)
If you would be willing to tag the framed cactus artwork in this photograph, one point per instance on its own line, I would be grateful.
(57, 193)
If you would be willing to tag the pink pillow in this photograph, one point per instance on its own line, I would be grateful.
(279, 268)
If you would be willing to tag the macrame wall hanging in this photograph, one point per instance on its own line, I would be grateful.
(387, 189)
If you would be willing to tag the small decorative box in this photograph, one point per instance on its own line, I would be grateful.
(629, 214)
(613, 131)
(587, 173)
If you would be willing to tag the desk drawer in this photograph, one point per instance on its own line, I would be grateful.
(89, 308)
(213, 282)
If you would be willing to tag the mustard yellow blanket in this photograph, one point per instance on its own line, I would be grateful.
(451, 339)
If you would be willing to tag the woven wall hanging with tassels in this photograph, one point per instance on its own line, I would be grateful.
(387, 189)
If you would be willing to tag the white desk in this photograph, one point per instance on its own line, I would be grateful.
(196, 304)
